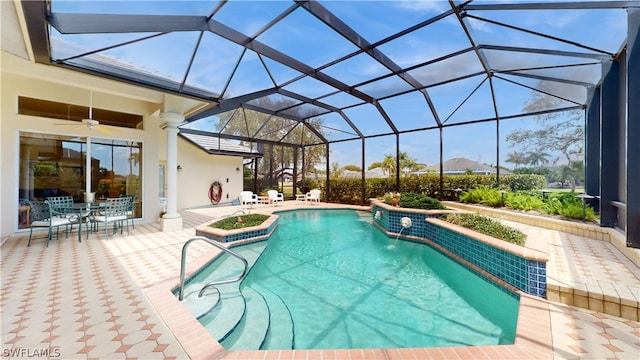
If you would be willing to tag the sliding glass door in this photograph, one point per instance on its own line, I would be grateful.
(54, 165)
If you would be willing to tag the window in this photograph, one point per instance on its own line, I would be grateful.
(57, 110)
(53, 165)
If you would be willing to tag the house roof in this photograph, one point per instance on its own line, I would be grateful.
(371, 174)
(462, 165)
(217, 146)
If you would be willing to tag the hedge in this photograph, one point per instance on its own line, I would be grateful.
(348, 191)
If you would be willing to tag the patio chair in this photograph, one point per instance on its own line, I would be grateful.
(131, 210)
(314, 196)
(248, 197)
(42, 215)
(63, 205)
(275, 197)
(114, 212)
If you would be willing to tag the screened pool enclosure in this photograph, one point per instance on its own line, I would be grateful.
(314, 86)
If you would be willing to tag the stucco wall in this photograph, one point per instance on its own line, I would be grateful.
(22, 78)
(199, 170)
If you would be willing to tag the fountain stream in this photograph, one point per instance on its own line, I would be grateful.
(405, 222)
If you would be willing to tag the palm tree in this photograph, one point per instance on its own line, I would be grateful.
(407, 163)
(538, 157)
(517, 158)
(572, 172)
(389, 165)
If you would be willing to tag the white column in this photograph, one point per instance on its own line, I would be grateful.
(172, 221)
(87, 165)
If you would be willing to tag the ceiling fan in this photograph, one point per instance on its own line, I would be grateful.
(90, 123)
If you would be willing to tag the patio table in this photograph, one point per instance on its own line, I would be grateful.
(85, 210)
(263, 199)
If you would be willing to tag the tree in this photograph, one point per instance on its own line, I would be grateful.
(571, 173)
(558, 131)
(516, 157)
(407, 163)
(253, 124)
(389, 165)
(336, 170)
(536, 158)
(352, 168)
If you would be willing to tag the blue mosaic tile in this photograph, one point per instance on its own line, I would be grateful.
(526, 275)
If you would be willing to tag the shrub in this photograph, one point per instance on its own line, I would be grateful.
(473, 196)
(239, 222)
(519, 182)
(307, 184)
(487, 226)
(349, 191)
(573, 211)
(564, 203)
(569, 206)
(524, 201)
(482, 195)
(419, 201)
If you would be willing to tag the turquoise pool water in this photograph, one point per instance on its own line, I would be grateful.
(330, 279)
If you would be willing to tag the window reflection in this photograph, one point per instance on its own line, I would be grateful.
(118, 172)
(53, 165)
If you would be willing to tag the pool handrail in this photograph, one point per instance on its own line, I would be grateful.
(183, 265)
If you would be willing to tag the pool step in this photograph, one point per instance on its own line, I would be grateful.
(228, 314)
(280, 335)
(252, 330)
(224, 317)
(251, 252)
(199, 306)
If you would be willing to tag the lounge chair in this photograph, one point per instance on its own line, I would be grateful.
(275, 197)
(248, 198)
(313, 196)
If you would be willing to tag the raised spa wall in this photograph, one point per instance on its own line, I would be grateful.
(260, 232)
(519, 267)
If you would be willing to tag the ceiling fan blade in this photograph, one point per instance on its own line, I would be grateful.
(103, 129)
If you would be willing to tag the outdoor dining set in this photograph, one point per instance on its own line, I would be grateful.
(62, 212)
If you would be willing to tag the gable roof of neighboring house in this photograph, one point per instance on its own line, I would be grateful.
(373, 173)
(461, 165)
(218, 146)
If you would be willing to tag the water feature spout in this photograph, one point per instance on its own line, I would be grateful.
(405, 222)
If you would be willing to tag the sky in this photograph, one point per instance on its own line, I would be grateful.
(304, 38)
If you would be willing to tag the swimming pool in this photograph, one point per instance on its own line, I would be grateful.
(329, 279)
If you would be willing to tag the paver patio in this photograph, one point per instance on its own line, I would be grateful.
(89, 300)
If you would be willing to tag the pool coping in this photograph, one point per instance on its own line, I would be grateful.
(258, 232)
(532, 341)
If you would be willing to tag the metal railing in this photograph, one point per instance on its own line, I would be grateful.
(183, 265)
